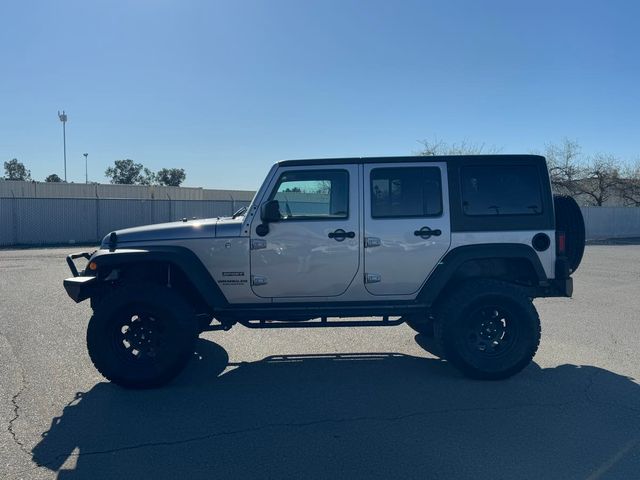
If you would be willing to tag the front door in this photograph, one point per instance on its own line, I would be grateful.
(407, 227)
(313, 250)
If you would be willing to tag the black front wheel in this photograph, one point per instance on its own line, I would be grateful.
(141, 337)
(488, 329)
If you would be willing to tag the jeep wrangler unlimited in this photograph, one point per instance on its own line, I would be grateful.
(456, 247)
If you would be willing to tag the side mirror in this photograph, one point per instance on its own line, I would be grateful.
(270, 212)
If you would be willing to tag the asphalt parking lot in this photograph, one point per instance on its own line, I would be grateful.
(341, 403)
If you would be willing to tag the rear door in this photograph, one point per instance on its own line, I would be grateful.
(407, 225)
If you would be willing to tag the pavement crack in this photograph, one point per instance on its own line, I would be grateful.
(11, 427)
(15, 406)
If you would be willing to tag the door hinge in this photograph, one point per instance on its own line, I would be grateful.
(258, 244)
(372, 277)
(370, 242)
(257, 280)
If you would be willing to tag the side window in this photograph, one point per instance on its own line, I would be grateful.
(406, 192)
(312, 194)
(501, 190)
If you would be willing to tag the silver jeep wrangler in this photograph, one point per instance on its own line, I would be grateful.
(456, 247)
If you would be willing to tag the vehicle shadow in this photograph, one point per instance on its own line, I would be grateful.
(355, 415)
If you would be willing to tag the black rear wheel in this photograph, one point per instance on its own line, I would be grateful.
(141, 337)
(488, 329)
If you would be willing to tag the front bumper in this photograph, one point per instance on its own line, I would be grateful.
(80, 286)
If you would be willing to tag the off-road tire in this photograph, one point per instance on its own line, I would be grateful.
(158, 319)
(467, 314)
(570, 221)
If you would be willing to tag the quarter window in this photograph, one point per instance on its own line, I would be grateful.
(406, 192)
(313, 194)
(501, 190)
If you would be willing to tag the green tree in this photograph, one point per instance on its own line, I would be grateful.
(15, 170)
(147, 177)
(53, 178)
(170, 177)
(127, 172)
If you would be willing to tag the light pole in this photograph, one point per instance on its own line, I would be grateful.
(63, 118)
(86, 174)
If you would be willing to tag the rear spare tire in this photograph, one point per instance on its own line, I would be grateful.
(569, 221)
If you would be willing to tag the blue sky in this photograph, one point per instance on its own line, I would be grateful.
(225, 88)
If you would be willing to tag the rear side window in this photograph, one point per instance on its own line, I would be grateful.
(406, 192)
(501, 190)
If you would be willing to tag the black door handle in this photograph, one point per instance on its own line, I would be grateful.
(339, 235)
(426, 232)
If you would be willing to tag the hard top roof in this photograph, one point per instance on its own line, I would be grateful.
(421, 158)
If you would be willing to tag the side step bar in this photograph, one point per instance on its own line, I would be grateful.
(323, 322)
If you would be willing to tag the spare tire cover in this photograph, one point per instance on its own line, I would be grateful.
(570, 221)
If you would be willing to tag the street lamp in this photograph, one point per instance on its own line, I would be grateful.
(63, 118)
(86, 174)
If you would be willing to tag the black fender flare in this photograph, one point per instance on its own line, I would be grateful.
(181, 257)
(450, 263)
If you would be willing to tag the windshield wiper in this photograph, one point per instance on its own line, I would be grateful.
(239, 212)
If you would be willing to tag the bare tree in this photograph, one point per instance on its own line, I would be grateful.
(563, 161)
(629, 187)
(440, 147)
(599, 180)
(592, 180)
